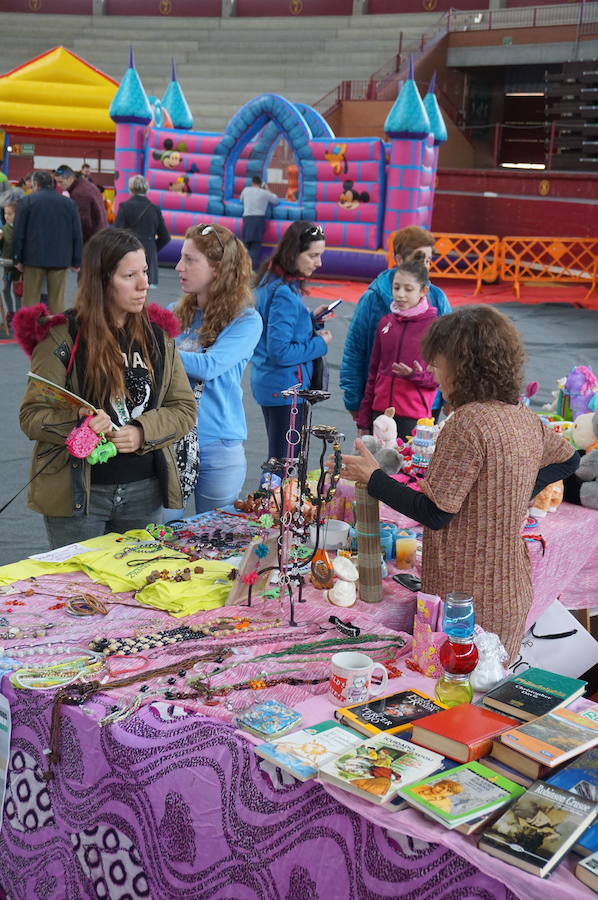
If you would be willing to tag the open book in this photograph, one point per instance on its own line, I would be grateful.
(57, 395)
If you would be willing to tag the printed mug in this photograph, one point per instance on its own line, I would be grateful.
(351, 677)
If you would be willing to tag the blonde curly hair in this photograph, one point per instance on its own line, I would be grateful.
(230, 292)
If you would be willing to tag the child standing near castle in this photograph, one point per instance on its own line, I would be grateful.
(398, 375)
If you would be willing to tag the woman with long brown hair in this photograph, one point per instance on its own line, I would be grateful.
(120, 356)
(492, 456)
(220, 329)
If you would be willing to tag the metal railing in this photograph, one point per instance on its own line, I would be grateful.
(523, 17)
(383, 84)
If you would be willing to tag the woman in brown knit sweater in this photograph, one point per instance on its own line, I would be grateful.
(492, 456)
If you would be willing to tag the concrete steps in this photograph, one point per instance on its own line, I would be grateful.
(221, 63)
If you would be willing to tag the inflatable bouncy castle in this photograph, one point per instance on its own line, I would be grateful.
(360, 190)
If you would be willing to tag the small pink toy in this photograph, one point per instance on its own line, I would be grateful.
(84, 443)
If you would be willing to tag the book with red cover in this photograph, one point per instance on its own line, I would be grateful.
(463, 732)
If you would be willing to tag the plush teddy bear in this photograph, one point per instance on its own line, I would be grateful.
(585, 434)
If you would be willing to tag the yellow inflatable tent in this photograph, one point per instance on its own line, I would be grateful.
(57, 93)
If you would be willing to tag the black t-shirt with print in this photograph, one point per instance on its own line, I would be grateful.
(125, 468)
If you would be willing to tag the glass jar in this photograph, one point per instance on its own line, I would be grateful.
(453, 690)
(458, 616)
(458, 657)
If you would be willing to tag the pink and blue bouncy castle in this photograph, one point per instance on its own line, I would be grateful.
(359, 189)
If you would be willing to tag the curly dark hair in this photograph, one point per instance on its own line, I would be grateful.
(484, 353)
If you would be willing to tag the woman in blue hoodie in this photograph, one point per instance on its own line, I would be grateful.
(410, 244)
(290, 341)
(220, 331)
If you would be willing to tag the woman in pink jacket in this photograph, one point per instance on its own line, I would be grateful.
(398, 375)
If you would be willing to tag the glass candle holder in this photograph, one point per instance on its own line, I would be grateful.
(458, 616)
(458, 658)
(453, 690)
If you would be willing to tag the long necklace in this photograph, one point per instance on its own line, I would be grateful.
(311, 649)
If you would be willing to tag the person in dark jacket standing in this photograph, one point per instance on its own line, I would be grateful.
(87, 199)
(144, 219)
(46, 241)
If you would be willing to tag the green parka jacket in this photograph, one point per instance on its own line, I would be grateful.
(63, 487)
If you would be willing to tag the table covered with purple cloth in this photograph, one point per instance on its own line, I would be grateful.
(170, 803)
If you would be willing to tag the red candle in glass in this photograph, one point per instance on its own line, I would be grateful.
(457, 658)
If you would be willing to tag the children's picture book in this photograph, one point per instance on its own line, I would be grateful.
(531, 768)
(587, 871)
(57, 395)
(463, 732)
(580, 776)
(376, 768)
(539, 828)
(533, 693)
(397, 803)
(391, 714)
(269, 719)
(462, 794)
(301, 753)
(556, 737)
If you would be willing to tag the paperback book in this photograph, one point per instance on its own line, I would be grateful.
(301, 753)
(461, 795)
(463, 732)
(376, 768)
(57, 395)
(580, 776)
(390, 714)
(539, 828)
(587, 871)
(556, 737)
(530, 768)
(508, 771)
(534, 693)
(269, 719)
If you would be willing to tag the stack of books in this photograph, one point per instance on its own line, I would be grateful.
(473, 768)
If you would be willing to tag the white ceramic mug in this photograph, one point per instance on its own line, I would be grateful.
(351, 678)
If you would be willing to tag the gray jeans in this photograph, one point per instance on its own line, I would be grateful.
(113, 507)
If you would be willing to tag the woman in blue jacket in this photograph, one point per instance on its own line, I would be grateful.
(290, 341)
(219, 332)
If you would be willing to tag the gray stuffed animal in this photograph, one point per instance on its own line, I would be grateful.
(588, 472)
(390, 459)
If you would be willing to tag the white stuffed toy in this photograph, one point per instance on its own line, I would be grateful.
(585, 435)
(383, 443)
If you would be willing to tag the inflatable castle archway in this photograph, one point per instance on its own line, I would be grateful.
(359, 189)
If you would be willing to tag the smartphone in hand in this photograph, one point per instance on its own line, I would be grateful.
(330, 308)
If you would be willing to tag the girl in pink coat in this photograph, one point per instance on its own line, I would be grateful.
(398, 375)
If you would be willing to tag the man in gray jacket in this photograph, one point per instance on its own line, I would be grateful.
(255, 199)
(46, 241)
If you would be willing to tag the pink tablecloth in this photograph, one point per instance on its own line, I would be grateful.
(568, 569)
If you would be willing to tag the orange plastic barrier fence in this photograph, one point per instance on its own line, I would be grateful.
(471, 256)
(549, 259)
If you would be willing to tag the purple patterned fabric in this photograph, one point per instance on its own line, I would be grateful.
(178, 810)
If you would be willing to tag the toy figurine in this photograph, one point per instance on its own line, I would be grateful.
(585, 434)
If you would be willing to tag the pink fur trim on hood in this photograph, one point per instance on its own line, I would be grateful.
(32, 324)
(164, 319)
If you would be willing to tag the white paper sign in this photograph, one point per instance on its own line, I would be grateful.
(61, 554)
